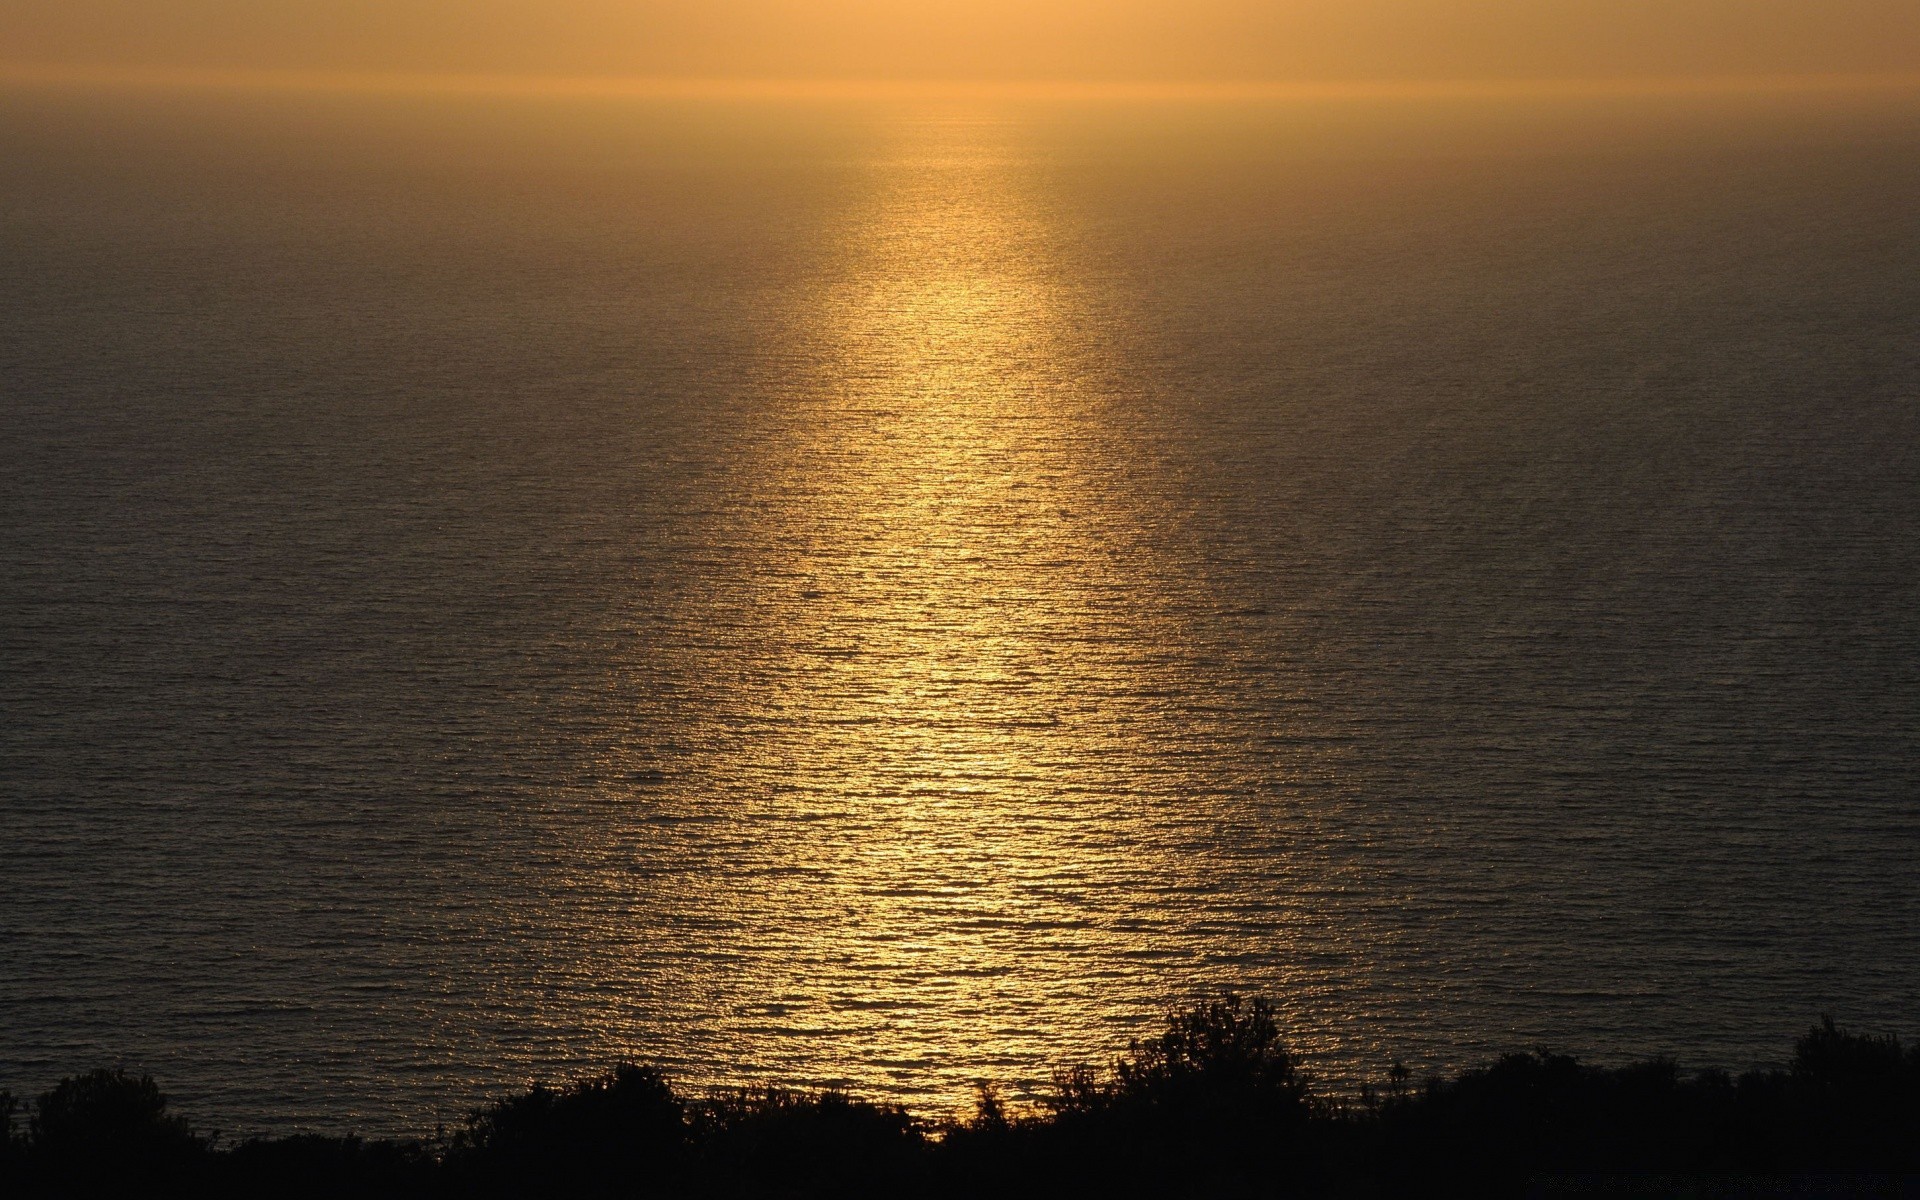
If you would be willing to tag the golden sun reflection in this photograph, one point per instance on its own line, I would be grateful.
(954, 646)
(931, 769)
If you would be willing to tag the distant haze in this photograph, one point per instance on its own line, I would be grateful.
(1074, 40)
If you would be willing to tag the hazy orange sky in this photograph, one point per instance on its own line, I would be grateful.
(1070, 40)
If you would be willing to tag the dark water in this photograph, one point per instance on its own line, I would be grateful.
(894, 596)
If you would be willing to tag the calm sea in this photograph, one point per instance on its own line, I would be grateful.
(895, 595)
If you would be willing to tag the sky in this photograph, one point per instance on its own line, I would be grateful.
(1202, 41)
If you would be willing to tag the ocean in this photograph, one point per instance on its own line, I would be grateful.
(897, 594)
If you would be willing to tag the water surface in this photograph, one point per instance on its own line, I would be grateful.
(895, 595)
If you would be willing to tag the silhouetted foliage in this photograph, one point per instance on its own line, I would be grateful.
(1215, 1102)
(760, 1141)
(107, 1126)
(1223, 1059)
(308, 1165)
(1213, 1105)
(624, 1133)
(10, 1143)
(1848, 1104)
(1854, 1096)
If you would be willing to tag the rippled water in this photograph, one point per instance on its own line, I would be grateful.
(896, 596)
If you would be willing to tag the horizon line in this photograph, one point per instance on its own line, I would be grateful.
(668, 87)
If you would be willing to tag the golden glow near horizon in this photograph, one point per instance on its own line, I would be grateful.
(1112, 42)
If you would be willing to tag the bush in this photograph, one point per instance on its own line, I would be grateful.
(108, 1124)
(1855, 1100)
(11, 1144)
(1212, 1105)
(307, 1165)
(622, 1133)
(1215, 1104)
(761, 1141)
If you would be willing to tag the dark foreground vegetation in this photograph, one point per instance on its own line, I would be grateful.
(1213, 1106)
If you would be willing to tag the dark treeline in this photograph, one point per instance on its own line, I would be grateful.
(1215, 1105)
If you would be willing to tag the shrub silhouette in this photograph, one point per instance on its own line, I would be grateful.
(1835, 1061)
(1223, 1056)
(307, 1165)
(624, 1132)
(1855, 1099)
(107, 1123)
(1848, 1104)
(1531, 1113)
(1215, 1104)
(1212, 1105)
(11, 1145)
(760, 1140)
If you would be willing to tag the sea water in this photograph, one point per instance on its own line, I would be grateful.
(896, 594)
